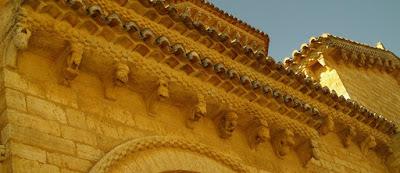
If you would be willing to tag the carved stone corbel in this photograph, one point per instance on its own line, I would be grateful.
(118, 78)
(367, 144)
(3, 153)
(348, 133)
(20, 41)
(282, 141)
(227, 124)
(307, 151)
(162, 94)
(327, 125)
(257, 132)
(73, 61)
(199, 112)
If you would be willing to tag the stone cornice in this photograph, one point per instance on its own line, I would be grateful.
(249, 86)
(185, 83)
(359, 54)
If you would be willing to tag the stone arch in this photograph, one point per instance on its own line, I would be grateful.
(166, 154)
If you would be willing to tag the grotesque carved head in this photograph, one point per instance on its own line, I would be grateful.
(262, 132)
(21, 38)
(162, 91)
(228, 124)
(200, 109)
(282, 141)
(121, 74)
(348, 134)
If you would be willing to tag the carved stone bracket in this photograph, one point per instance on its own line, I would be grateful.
(199, 111)
(162, 95)
(367, 143)
(308, 151)
(71, 71)
(348, 133)
(227, 124)
(282, 141)
(118, 77)
(258, 132)
(3, 153)
(327, 125)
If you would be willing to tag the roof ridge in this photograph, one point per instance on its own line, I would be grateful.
(260, 34)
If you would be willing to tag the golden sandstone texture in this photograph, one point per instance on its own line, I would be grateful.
(178, 86)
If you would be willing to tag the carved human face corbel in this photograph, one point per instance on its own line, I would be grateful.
(162, 90)
(199, 111)
(21, 38)
(327, 125)
(227, 124)
(348, 133)
(73, 62)
(367, 144)
(282, 142)
(3, 153)
(258, 132)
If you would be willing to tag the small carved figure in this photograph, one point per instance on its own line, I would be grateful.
(348, 134)
(162, 90)
(121, 74)
(282, 141)
(227, 124)
(258, 132)
(21, 38)
(73, 62)
(115, 79)
(3, 153)
(368, 143)
(199, 111)
(327, 125)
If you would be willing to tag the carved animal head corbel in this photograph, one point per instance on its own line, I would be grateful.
(73, 61)
(258, 132)
(122, 71)
(21, 37)
(348, 133)
(327, 125)
(367, 144)
(199, 111)
(227, 124)
(282, 141)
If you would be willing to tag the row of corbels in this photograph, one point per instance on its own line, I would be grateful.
(352, 106)
(237, 43)
(193, 57)
(178, 49)
(258, 132)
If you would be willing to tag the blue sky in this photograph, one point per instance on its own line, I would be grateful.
(289, 23)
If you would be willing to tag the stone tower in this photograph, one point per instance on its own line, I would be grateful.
(172, 86)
